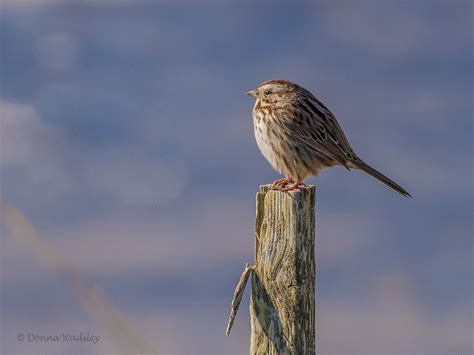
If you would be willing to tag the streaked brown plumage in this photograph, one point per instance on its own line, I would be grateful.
(299, 135)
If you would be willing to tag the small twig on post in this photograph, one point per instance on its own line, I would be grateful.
(238, 294)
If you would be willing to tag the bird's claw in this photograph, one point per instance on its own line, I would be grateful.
(291, 188)
(280, 184)
(296, 185)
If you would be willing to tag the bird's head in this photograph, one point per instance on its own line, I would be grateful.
(275, 93)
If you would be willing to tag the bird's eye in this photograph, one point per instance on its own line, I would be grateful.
(268, 92)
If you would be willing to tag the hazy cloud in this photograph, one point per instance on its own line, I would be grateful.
(56, 51)
(391, 320)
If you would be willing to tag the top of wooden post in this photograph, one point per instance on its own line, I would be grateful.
(296, 193)
(266, 187)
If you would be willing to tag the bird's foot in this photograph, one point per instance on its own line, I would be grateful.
(281, 183)
(296, 185)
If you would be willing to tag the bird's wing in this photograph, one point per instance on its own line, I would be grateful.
(315, 127)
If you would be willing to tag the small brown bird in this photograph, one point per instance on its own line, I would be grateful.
(299, 136)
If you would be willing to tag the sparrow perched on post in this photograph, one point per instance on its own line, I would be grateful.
(299, 135)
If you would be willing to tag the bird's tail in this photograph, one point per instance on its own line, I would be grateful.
(359, 164)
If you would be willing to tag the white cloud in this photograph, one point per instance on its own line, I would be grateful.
(433, 174)
(37, 155)
(32, 4)
(25, 4)
(31, 154)
(390, 31)
(391, 320)
(56, 51)
(123, 244)
(120, 246)
(136, 181)
(23, 135)
(341, 237)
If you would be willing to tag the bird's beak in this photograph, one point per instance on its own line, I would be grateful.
(251, 93)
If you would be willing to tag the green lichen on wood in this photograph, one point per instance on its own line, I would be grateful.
(282, 304)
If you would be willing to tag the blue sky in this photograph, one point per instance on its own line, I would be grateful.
(126, 140)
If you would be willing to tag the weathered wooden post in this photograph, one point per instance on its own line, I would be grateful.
(282, 303)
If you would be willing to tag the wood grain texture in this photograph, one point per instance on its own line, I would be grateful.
(282, 303)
